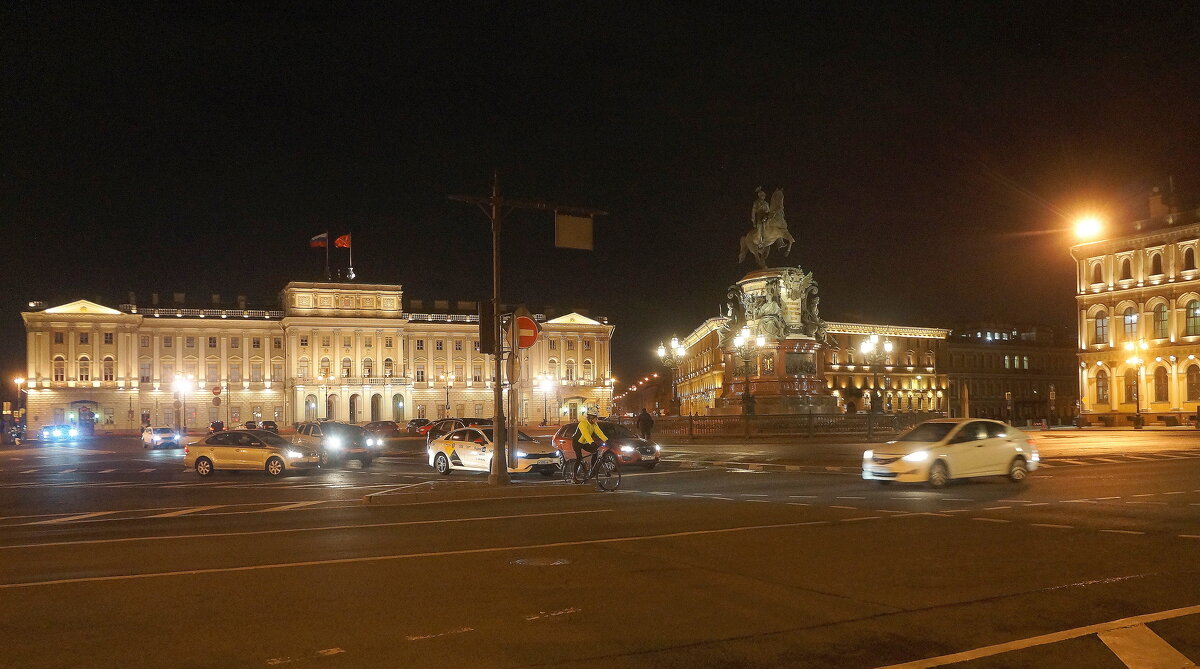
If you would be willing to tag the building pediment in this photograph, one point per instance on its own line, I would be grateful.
(572, 318)
(83, 307)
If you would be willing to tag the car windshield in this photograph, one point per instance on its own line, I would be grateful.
(521, 436)
(928, 432)
(351, 431)
(163, 430)
(614, 431)
(272, 439)
(386, 424)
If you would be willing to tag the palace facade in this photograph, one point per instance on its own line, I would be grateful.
(355, 352)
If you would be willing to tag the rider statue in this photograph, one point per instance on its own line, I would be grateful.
(759, 212)
(769, 228)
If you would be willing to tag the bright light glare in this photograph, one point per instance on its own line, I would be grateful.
(627, 449)
(916, 456)
(867, 455)
(1088, 227)
(294, 454)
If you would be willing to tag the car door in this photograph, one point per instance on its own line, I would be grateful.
(461, 452)
(301, 436)
(254, 453)
(481, 448)
(967, 449)
(999, 452)
(219, 448)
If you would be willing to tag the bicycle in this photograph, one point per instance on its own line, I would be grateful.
(605, 468)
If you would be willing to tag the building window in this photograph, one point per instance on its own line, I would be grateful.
(1100, 329)
(570, 371)
(1102, 386)
(553, 344)
(1131, 386)
(324, 366)
(168, 342)
(235, 342)
(420, 374)
(1160, 321)
(389, 367)
(457, 345)
(189, 342)
(1006, 362)
(212, 372)
(304, 342)
(167, 371)
(1097, 273)
(85, 369)
(1126, 269)
(1193, 383)
(476, 373)
(108, 338)
(420, 344)
(58, 338)
(1189, 258)
(325, 341)
(439, 345)
(144, 372)
(277, 371)
(368, 367)
(346, 367)
(553, 368)
(256, 372)
(60, 369)
(387, 342)
(235, 372)
(347, 342)
(1156, 264)
(369, 342)
(255, 342)
(475, 345)
(1193, 318)
(570, 344)
(277, 343)
(83, 337)
(212, 342)
(587, 344)
(1160, 384)
(1129, 320)
(107, 370)
(587, 370)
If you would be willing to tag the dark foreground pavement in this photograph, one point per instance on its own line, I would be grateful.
(683, 568)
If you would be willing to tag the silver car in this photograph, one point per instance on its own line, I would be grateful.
(248, 449)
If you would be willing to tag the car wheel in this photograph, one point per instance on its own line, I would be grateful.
(442, 464)
(323, 459)
(1018, 471)
(274, 466)
(939, 476)
(204, 466)
(650, 465)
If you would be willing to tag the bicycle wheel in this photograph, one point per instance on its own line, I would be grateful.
(568, 470)
(580, 471)
(608, 474)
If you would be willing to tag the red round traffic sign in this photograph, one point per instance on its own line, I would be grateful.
(216, 390)
(527, 331)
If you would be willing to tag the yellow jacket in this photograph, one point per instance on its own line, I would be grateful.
(589, 431)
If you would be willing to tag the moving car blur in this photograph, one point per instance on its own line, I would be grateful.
(938, 451)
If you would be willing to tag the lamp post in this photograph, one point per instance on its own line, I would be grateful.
(670, 357)
(545, 384)
(182, 385)
(1137, 360)
(875, 353)
(449, 380)
(325, 381)
(746, 348)
(19, 421)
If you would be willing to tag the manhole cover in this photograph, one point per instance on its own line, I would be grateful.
(540, 562)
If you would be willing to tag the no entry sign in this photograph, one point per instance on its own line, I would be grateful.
(527, 331)
(216, 390)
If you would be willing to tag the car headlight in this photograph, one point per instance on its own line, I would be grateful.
(73, 432)
(1035, 457)
(178, 437)
(370, 441)
(333, 443)
(58, 433)
(627, 449)
(657, 447)
(916, 456)
(867, 455)
(294, 454)
(519, 454)
(157, 438)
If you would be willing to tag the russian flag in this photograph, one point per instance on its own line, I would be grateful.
(321, 240)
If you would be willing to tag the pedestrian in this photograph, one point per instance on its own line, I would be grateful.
(645, 423)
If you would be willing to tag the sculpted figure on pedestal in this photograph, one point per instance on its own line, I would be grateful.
(769, 229)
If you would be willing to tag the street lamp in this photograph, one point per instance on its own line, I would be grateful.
(182, 385)
(20, 420)
(670, 357)
(874, 353)
(449, 380)
(1140, 363)
(325, 381)
(1088, 227)
(545, 384)
(746, 348)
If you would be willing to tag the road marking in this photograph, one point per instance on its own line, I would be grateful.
(404, 556)
(1042, 640)
(1144, 494)
(68, 471)
(29, 471)
(957, 499)
(294, 505)
(1038, 504)
(1189, 536)
(798, 504)
(754, 494)
(184, 512)
(1063, 527)
(1107, 460)
(1069, 462)
(107, 471)
(1114, 497)
(843, 507)
(851, 520)
(1016, 501)
(994, 508)
(146, 471)
(765, 501)
(1072, 501)
(727, 499)
(993, 520)
(850, 498)
(1175, 492)
(1139, 648)
(814, 496)
(293, 530)
(1122, 532)
(439, 634)
(69, 519)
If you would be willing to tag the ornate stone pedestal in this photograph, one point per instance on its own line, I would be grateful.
(777, 368)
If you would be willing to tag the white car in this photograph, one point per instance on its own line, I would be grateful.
(937, 451)
(153, 437)
(471, 448)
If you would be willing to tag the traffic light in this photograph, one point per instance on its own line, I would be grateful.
(487, 327)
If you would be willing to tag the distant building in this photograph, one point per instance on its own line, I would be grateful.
(1138, 297)
(345, 351)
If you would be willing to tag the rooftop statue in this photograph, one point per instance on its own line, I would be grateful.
(768, 229)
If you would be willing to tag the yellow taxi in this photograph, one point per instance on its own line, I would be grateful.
(471, 449)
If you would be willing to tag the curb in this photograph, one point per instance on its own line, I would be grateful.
(488, 493)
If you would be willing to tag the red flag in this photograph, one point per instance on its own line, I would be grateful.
(342, 242)
(319, 241)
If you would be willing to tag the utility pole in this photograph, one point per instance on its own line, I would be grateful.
(495, 207)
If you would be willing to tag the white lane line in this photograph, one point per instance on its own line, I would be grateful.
(1110, 460)
(1144, 494)
(1069, 462)
(814, 496)
(754, 494)
(1063, 527)
(1015, 501)
(1122, 532)
(764, 501)
(211, 535)
(851, 520)
(146, 471)
(843, 507)
(1044, 639)
(994, 508)
(659, 492)
(1106, 498)
(68, 471)
(29, 471)
(727, 499)
(798, 504)
(184, 512)
(68, 519)
(1073, 501)
(1139, 648)
(850, 498)
(1174, 492)
(294, 505)
(107, 471)
(1038, 504)
(957, 499)
(992, 520)
(408, 556)
(1189, 536)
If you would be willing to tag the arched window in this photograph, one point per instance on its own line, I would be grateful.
(1156, 264)
(1160, 384)
(1129, 321)
(1097, 273)
(60, 368)
(368, 368)
(1193, 318)
(569, 371)
(1131, 386)
(909, 359)
(1126, 269)
(552, 368)
(1189, 258)
(1161, 327)
(107, 369)
(587, 370)
(85, 369)
(1193, 383)
(389, 367)
(1100, 331)
(1102, 386)
(324, 366)
(310, 407)
(346, 368)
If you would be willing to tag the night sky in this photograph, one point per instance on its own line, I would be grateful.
(932, 155)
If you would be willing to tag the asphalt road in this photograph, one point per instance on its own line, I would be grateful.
(113, 556)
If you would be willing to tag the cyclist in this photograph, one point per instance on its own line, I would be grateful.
(588, 436)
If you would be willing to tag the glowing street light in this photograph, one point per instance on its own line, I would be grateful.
(1137, 361)
(670, 357)
(183, 386)
(1088, 227)
(874, 354)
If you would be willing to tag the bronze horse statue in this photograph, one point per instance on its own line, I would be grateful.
(770, 231)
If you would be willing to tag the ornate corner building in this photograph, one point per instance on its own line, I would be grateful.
(342, 351)
(1138, 298)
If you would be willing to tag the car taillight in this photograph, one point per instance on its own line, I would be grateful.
(186, 450)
